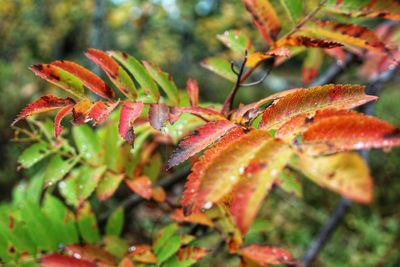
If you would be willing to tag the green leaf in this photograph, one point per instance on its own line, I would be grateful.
(169, 249)
(86, 142)
(57, 169)
(33, 154)
(62, 219)
(136, 69)
(294, 9)
(153, 168)
(163, 235)
(115, 245)
(69, 188)
(87, 224)
(115, 223)
(39, 228)
(237, 41)
(89, 177)
(165, 81)
(186, 257)
(219, 66)
(108, 185)
(289, 182)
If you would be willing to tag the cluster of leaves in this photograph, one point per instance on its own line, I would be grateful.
(246, 150)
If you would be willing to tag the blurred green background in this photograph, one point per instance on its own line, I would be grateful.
(178, 34)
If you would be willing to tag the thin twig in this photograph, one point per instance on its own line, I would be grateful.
(228, 104)
(261, 80)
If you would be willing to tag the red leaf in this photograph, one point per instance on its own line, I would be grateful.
(89, 79)
(141, 186)
(130, 111)
(193, 180)
(307, 101)
(267, 255)
(200, 139)
(60, 115)
(265, 18)
(43, 104)
(193, 92)
(348, 132)
(207, 114)
(256, 58)
(100, 111)
(91, 253)
(158, 115)
(59, 260)
(116, 73)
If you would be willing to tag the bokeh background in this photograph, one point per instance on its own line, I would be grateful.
(177, 35)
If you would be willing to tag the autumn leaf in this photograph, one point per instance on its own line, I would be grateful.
(89, 79)
(92, 253)
(218, 177)
(257, 57)
(81, 110)
(60, 78)
(301, 40)
(256, 180)
(265, 256)
(116, 73)
(158, 115)
(194, 179)
(199, 140)
(207, 114)
(99, 111)
(307, 101)
(265, 18)
(196, 218)
(58, 118)
(43, 104)
(351, 35)
(59, 260)
(130, 111)
(348, 132)
(345, 173)
(193, 92)
(141, 186)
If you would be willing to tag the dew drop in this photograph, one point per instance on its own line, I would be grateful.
(208, 205)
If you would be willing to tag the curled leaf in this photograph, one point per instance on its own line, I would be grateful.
(130, 111)
(193, 92)
(158, 115)
(43, 104)
(58, 118)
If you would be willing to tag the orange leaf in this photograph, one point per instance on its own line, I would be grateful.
(306, 41)
(265, 18)
(199, 140)
(218, 177)
(158, 194)
(141, 186)
(264, 256)
(307, 101)
(193, 180)
(126, 262)
(201, 112)
(344, 173)
(89, 79)
(81, 110)
(351, 35)
(142, 253)
(43, 104)
(257, 179)
(191, 253)
(348, 132)
(197, 218)
(257, 57)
